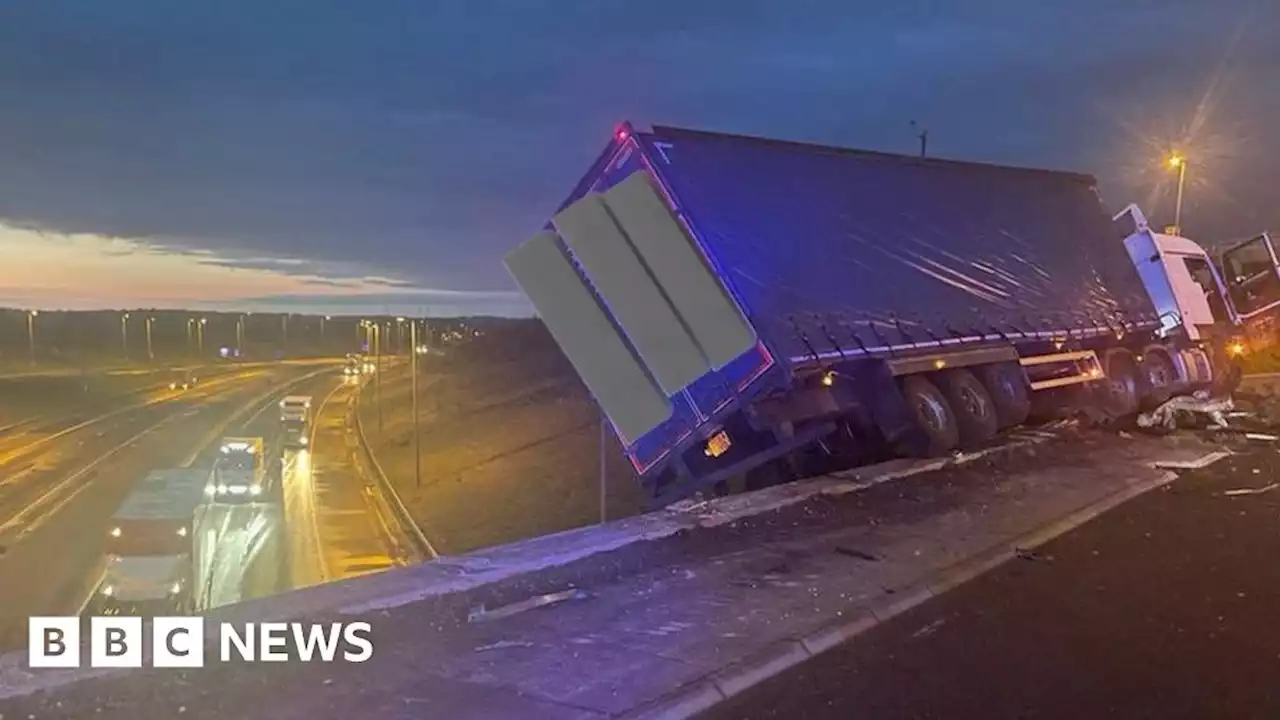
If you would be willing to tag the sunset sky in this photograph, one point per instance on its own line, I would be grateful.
(335, 156)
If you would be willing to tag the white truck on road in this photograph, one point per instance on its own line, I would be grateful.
(295, 420)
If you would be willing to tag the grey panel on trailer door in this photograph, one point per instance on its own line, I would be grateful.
(718, 326)
(584, 331)
(635, 299)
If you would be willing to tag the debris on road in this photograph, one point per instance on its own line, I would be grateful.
(1024, 554)
(504, 644)
(1251, 491)
(482, 614)
(854, 552)
(929, 629)
(1188, 409)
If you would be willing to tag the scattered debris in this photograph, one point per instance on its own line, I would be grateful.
(1252, 491)
(503, 644)
(929, 629)
(482, 614)
(854, 552)
(1188, 409)
(1024, 554)
(1262, 436)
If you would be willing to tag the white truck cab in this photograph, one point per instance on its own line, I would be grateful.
(1238, 292)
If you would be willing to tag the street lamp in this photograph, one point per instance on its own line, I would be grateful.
(322, 319)
(31, 334)
(150, 354)
(1178, 162)
(124, 335)
(417, 437)
(200, 334)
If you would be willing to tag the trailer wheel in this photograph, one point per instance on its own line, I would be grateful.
(1158, 377)
(1121, 387)
(932, 413)
(974, 410)
(1007, 386)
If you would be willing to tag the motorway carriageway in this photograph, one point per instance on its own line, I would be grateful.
(58, 491)
(332, 521)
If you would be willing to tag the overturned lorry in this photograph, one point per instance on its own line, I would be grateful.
(745, 307)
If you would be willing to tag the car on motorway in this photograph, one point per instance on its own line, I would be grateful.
(239, 472)
(186, 382)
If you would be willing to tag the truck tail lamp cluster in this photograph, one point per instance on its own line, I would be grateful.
(652, 318)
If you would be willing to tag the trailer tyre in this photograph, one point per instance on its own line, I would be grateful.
(1007, 386)
(933, 415)
(1158, 377)
(1120, 391)
(974, 410)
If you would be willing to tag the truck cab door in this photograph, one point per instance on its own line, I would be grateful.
(1251, 273)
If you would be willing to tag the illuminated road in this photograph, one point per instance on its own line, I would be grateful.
(340, 526)
(59, 489)
(327, 523)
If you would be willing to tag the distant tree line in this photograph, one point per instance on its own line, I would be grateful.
(62, 337)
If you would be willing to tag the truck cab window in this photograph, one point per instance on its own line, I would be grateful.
(1251, 277)
(1202, 274)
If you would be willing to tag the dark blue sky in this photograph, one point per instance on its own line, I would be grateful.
(418, 141)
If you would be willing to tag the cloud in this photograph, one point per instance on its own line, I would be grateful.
(419, 141)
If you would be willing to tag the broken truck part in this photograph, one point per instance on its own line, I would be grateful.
(748, 307)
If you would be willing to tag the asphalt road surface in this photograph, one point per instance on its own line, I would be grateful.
(1167, 607)
(324, 521)
(59, 489)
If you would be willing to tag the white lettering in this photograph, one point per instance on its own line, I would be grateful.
(352, 634)
(244, 644)
(272, 642)
(315, 636)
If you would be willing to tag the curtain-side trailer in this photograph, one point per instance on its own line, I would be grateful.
(741, 306)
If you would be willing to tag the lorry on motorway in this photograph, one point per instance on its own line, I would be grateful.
(148, 554)
(239, 471)
(742, 307)
(295, 420)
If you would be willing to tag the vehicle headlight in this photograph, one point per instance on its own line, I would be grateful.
(303, 440)
(210, 490)
(222, 488)
(108, 590)
(255, 490)
(115, 532)
(175, 588)
(182, 532)
(173, 386)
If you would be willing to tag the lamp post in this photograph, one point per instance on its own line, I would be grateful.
(1178, 162)
(377, 370)
(151, 356)
(200, 334)
(413, 374)
(124, 335)
(191, 335)
(31, 334)
(323, 318)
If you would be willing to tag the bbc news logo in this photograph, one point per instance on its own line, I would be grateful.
(179, 642)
